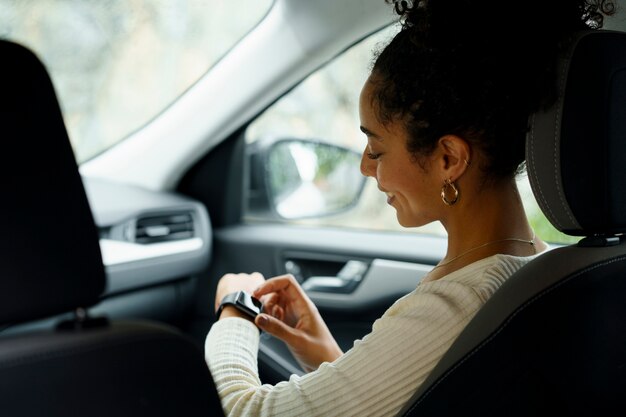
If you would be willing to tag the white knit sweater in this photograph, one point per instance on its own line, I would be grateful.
(380, 373)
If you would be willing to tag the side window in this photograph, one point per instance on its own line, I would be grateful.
(312, 125)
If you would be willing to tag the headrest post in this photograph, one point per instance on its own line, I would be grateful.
(82, 321)
(80, 315)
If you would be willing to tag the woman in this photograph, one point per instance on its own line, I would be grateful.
(445, 114)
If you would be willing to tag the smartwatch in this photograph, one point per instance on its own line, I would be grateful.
(243, 302)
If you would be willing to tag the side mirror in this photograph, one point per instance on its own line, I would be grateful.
(296, 178)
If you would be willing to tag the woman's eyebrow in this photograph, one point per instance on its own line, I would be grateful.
(369, 133)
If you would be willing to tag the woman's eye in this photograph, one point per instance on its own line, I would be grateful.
(371, 155)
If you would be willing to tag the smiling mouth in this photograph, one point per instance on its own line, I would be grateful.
(390, 196)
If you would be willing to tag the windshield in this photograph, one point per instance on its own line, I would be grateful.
(115, 65)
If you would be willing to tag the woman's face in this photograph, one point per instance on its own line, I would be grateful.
(410, 186)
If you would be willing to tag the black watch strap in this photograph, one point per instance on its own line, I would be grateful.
(243, 302)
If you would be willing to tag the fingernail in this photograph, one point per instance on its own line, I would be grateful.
(263, 320)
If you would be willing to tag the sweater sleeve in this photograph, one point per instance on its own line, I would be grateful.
(374, 378)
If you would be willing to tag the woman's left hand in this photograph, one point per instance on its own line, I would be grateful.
(230, 283)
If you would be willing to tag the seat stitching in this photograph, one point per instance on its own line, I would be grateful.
(560, 191)
(507, 322)
(538, 183)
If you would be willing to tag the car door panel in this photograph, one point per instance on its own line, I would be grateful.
(374, 287)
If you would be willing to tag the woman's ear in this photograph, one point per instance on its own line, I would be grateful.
(454, 156)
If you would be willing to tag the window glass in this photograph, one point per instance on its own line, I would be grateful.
(116, 64)
(324, 108)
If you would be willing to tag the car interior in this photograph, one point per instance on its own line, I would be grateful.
(109, 264)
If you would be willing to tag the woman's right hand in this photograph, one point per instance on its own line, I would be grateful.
(290, 315)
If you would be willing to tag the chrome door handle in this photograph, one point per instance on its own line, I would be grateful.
(345, 282)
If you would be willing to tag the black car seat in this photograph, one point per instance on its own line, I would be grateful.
(50, 263)
(552, 339)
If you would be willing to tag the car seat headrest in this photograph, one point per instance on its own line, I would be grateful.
(50, 256)
(576, 150)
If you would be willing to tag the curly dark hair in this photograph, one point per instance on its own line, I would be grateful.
(476, 69)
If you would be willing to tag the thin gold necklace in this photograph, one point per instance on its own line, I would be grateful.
(531, 242)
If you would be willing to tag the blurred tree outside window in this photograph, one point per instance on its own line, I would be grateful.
(117, 64)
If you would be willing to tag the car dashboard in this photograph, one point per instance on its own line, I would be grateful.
(147, 238)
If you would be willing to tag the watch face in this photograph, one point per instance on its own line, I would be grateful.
(248, 304)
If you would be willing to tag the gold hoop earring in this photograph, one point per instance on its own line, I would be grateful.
(444, 191)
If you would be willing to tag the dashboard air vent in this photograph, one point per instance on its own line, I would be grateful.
(164, 228)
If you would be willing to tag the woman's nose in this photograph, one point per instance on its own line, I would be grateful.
(367, 165)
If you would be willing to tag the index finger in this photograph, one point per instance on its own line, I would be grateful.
(286, 283)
